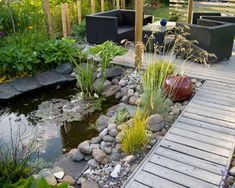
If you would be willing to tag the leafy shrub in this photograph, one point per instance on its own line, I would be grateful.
(106, 52)
(79, 32)
(14, 60)
(153, 99)
(31, 182)
(58, 51)
(135, 137)
(122, 116)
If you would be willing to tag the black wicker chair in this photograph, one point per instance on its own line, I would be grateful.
(114, 25)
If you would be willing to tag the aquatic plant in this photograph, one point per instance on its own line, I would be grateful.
(135, 136)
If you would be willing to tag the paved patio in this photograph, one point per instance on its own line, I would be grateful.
(197, 150)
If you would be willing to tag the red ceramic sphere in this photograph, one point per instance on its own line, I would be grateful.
(178, 88)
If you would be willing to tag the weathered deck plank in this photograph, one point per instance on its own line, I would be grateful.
(198, 149)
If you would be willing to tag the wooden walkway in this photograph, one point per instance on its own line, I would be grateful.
(197, 150)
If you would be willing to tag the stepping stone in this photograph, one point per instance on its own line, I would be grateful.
(7, 91)
(25, 84)
(49, 78)
(71, 168)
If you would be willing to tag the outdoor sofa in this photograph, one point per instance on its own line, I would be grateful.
(213, 36)
(114, 25)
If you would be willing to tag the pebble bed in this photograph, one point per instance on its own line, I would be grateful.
(107, 166)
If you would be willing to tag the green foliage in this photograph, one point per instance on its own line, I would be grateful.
(106, 52)
(58, 51)
(32, 183)
(135, 137)
(14, 60)
(79, 32)
(175, 15)
(122, 116)
(154, 100)
(84, 76)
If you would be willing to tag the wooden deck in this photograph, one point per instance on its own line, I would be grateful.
(197, 150)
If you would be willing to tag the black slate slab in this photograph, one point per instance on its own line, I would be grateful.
(64, 68)
(7, 91)
(49, 78)
(25, 84)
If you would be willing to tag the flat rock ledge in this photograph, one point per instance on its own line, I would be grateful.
(62, 74)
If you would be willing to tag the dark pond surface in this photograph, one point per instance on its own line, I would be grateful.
(53, 139)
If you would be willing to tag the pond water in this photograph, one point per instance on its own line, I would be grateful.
(17, 118)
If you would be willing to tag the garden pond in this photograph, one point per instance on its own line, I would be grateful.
(21, 117)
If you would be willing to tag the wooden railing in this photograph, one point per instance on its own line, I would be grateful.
(181, 6)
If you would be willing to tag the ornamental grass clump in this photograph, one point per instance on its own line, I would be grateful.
(153, 99)
(135, 137)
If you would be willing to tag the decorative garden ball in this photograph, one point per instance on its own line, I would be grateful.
(163, 22)
(178, 88)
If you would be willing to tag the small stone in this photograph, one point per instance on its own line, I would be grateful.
(89, 184)
(232, 171)
(116, 171)
(102, 122)
(84, 147)
(130, 92)
(176, 110)
(96, 140)
(98, 155)
(115, 81)
(111, 90)
(87, 157)
(94, 146)
(124, 99)
(92, 163)
(114, 71)
(155, 123)
(230, 180)
(133, 100)
(118, 95)
(68, 179)
(108, 150)
(104, 161)
(76, 155)
(51, 180)
(133, 167)
(112, 126)
(59, 175)
(113, 132)
(97, 84)
(108, 138)
(129, 159)
(102, 145)
(152, 142)
(103, 133)
(81, 180)
(122, 82)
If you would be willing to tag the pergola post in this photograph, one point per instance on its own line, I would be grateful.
(139, 5)
(118, 4)
(93, 6)
(79, 11)
(190, 11)
(123, 4)
(46, 8)
(102, 5)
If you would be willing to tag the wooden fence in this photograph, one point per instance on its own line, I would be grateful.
(181, 7)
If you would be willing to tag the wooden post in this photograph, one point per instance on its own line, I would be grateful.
(123, 4)
(64, 23)
(138, 32)
(46, 7)
(68, 22)
(93, 6)
(79, 12)
(118, 4)
(102, 5)
(190, 11)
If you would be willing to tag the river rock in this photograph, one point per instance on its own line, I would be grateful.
(108, 150)
(111, 90)
(68, 179)
(96, 140)
(97, 84)
(232, 171)
(129, 159)
(59, 175)
(76, 155)
(51, 180)
(133, 100)
(65, 68)
(113, 132)
(102, 145)
(103, 133)
(116, 171)
(114, 71)
(108, 138)
(89, 184)
(92, 163)
(155, 123)
(94, 146)
(123, 82)
(98, 155)
(84, 147)
(102, 122)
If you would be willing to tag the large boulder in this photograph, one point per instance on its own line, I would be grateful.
(99, 84)
(76, 155)
(114, 71)
(111, 90)
(64, 68)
